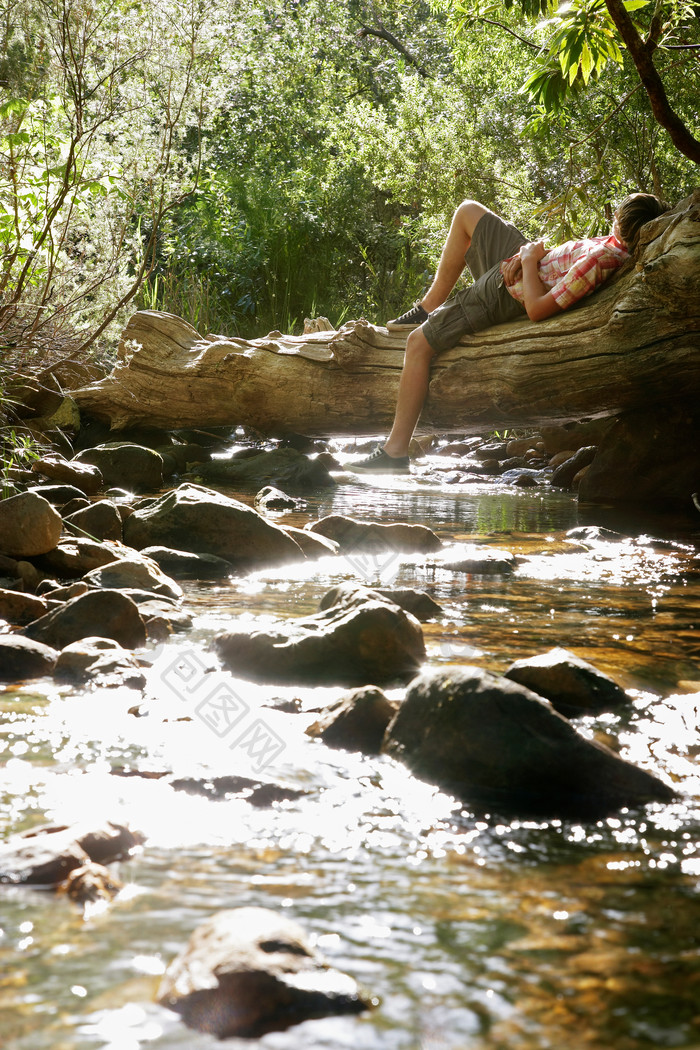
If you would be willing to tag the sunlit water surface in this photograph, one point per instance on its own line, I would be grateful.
(473, 933)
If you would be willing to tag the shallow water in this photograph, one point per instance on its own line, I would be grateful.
(472, 933)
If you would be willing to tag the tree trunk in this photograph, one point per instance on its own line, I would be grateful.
(636, 342)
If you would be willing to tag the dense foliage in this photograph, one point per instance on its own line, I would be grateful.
(248, 166)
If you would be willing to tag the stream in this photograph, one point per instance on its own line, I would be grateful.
(473, 933)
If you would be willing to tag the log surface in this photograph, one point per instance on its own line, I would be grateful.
(635, 342)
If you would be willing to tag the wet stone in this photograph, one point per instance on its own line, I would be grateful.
(478, 561)
(363, 641)
(353, 535)
(46, 855)
(249, 971)
(206, 522)
(135, 571)
(572, 685)
(186, 565)
(357, 721)
(499, 747)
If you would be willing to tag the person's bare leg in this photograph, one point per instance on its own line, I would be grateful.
(413, 387)
(451, 262)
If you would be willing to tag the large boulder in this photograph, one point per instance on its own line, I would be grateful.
(498, 746)
(123, 464)
(361, 642)
(108, 613)
(248, 971)
(572, 685)
(22, 658)
(649, 455)
(29, 525)
(192, 518)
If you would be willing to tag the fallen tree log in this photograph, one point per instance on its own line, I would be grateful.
(636, 342)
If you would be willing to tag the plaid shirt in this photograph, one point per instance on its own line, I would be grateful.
(576, 268)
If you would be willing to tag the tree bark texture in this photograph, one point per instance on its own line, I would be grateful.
(635, 342)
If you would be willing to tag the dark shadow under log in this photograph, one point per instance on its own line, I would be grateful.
(636, 342)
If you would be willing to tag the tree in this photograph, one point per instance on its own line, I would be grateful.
(574, 43)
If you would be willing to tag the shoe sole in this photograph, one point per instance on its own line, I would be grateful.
(379, 470)
(401, 327)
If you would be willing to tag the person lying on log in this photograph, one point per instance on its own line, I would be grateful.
(513, 278)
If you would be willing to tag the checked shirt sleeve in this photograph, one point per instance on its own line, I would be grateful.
(589, 271)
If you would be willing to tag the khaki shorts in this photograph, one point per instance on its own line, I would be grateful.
(487, 301)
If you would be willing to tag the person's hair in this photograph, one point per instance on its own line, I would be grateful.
(634, 212)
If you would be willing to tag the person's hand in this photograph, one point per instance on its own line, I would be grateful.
(533, 250)
(512, 270)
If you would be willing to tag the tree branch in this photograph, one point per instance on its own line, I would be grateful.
(383, 34)
(663, 112)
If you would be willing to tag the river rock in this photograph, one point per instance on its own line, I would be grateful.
(270, 498)
(282, 466)
(479, 561)
(19, 608)
(499, 747)
(134, 571)
(361, 642)
(185, 565)
(123, 464)
(647, 456)
(357, 721)
(75, 557)
(373, 536)
(82, 476)
(572, 686)
(101, 660)
(564, 474)
(29, 525)
(101, 521)
(418, 603)
(259, 793)
(57, 495)
(44, 856)
(91, 883)
(110, 612)
(21, 658)
(248, 971)
(312, 544)
(206, 522)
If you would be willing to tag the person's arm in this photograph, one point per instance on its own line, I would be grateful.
(538, 300)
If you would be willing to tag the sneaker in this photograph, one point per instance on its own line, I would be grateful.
(413, 318)
(380, 463)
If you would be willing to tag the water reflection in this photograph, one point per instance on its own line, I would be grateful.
(475, 933)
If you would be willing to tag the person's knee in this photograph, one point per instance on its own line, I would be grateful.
(418, 349)
(469, 212)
